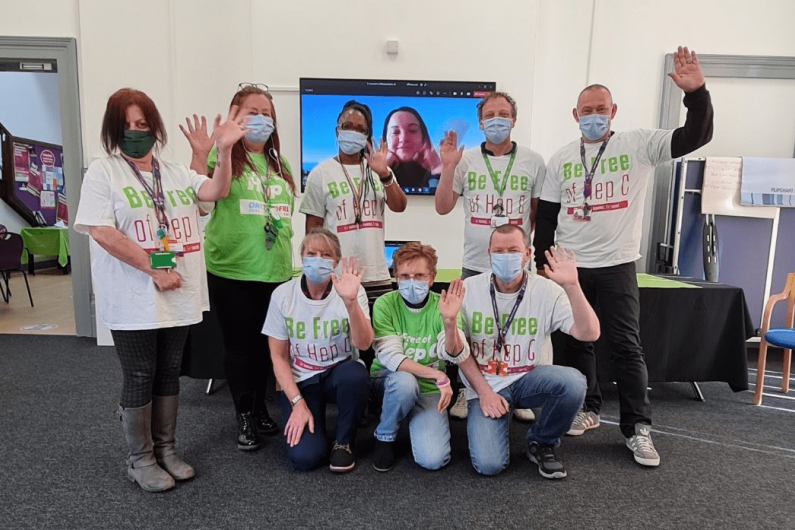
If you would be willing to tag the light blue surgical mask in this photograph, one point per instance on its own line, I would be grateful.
(594, 126)
(351, 142)
(507, 267)
(316, 269)
(259, 128)
(497, 130)
(413, 291)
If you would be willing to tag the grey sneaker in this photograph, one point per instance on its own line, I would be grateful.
(642, 447)
(459, 410)
(583, 421)
(525, 415)
(549, 465)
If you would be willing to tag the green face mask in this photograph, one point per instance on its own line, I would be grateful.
(135, 144)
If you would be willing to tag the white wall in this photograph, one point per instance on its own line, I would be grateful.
(189, 56)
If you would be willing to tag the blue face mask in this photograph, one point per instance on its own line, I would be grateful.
(259, 128)
(594, 126)
(413, 291)
(497, 130)
(351, 142)
(316, 269)
(506, 267)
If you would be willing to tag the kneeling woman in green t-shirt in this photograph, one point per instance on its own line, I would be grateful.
(248, 249)
(412, 327)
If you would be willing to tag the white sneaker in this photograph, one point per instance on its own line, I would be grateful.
(459, 410)
(642, 447)
(525, 415)
(582, 422)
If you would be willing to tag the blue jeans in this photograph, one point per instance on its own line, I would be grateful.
(558, 390)
(428, 429)
(348, 386)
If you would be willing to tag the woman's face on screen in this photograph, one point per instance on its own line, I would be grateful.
(404, 136)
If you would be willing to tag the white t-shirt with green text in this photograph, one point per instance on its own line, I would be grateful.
(318, 331)
(127, 299)
(329, 196)
(618, 195)
(545, 308)
(473, 180)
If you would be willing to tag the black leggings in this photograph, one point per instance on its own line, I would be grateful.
(150, 361)
(241, 307)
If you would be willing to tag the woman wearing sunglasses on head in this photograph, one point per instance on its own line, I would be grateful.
(248, 251)
(148, 269)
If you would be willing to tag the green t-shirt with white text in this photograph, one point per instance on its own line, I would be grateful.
(418, 333)
(235, 234)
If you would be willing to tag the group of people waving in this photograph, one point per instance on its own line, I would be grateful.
(338, 333)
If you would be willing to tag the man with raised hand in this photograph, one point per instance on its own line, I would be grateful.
(500, 182)
(507, 314)
(592, 203)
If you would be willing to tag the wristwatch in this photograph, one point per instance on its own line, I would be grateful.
(296, 399)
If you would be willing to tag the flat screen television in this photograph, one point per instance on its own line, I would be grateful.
(411, 116)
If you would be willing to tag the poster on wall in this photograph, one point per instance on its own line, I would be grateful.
(38, 180)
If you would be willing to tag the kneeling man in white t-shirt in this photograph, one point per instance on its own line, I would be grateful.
(507, 314)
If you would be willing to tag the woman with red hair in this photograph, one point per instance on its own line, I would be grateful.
(148, 269)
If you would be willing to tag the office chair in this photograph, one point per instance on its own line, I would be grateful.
(783, 338)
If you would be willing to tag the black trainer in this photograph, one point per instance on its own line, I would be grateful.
(383, 456)
(264, 423)
(548, 463)
(247, 437)
(341, 459)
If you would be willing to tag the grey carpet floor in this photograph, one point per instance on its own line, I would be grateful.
(725, 464)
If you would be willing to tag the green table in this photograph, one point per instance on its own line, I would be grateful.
(49, 241)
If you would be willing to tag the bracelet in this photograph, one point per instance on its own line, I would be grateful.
(296, 399)
(390, 180)
(443, 382)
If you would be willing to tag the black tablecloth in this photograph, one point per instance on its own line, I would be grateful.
(687, 335)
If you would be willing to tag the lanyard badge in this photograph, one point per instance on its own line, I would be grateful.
(497, 365)
(587, 186)
(165, 258)
(273, 221)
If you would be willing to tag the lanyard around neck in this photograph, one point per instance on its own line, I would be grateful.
(358, 196)
(586, 192)
(155, 193)
(502, 331)
(494, 178)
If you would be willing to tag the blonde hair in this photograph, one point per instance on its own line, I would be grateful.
(330, 239)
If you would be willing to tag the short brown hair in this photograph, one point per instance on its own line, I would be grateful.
(415, 250)
(330, 239)
(239, 156)
(115, 119)
(495, 95)
(507, 229)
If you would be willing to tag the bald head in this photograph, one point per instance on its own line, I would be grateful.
(595, 89)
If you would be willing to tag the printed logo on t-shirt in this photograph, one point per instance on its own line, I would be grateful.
(481, 182)
(508, 206)
(419, 348)
(138, 198)
(484, 350)
(254, 207)
(337, 188)
(310, 356)
(607, 194)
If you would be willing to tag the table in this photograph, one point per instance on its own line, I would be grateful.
(691, 331)
(45, 241)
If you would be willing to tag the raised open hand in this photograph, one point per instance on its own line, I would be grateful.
(562, 267)
(449, 152)
(198, 138)
(451, 299)
(348, 282)
(378, 159)
(233, 129)
(687, 72)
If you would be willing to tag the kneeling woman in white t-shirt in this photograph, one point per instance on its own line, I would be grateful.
(148, 269)
(316, 324)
